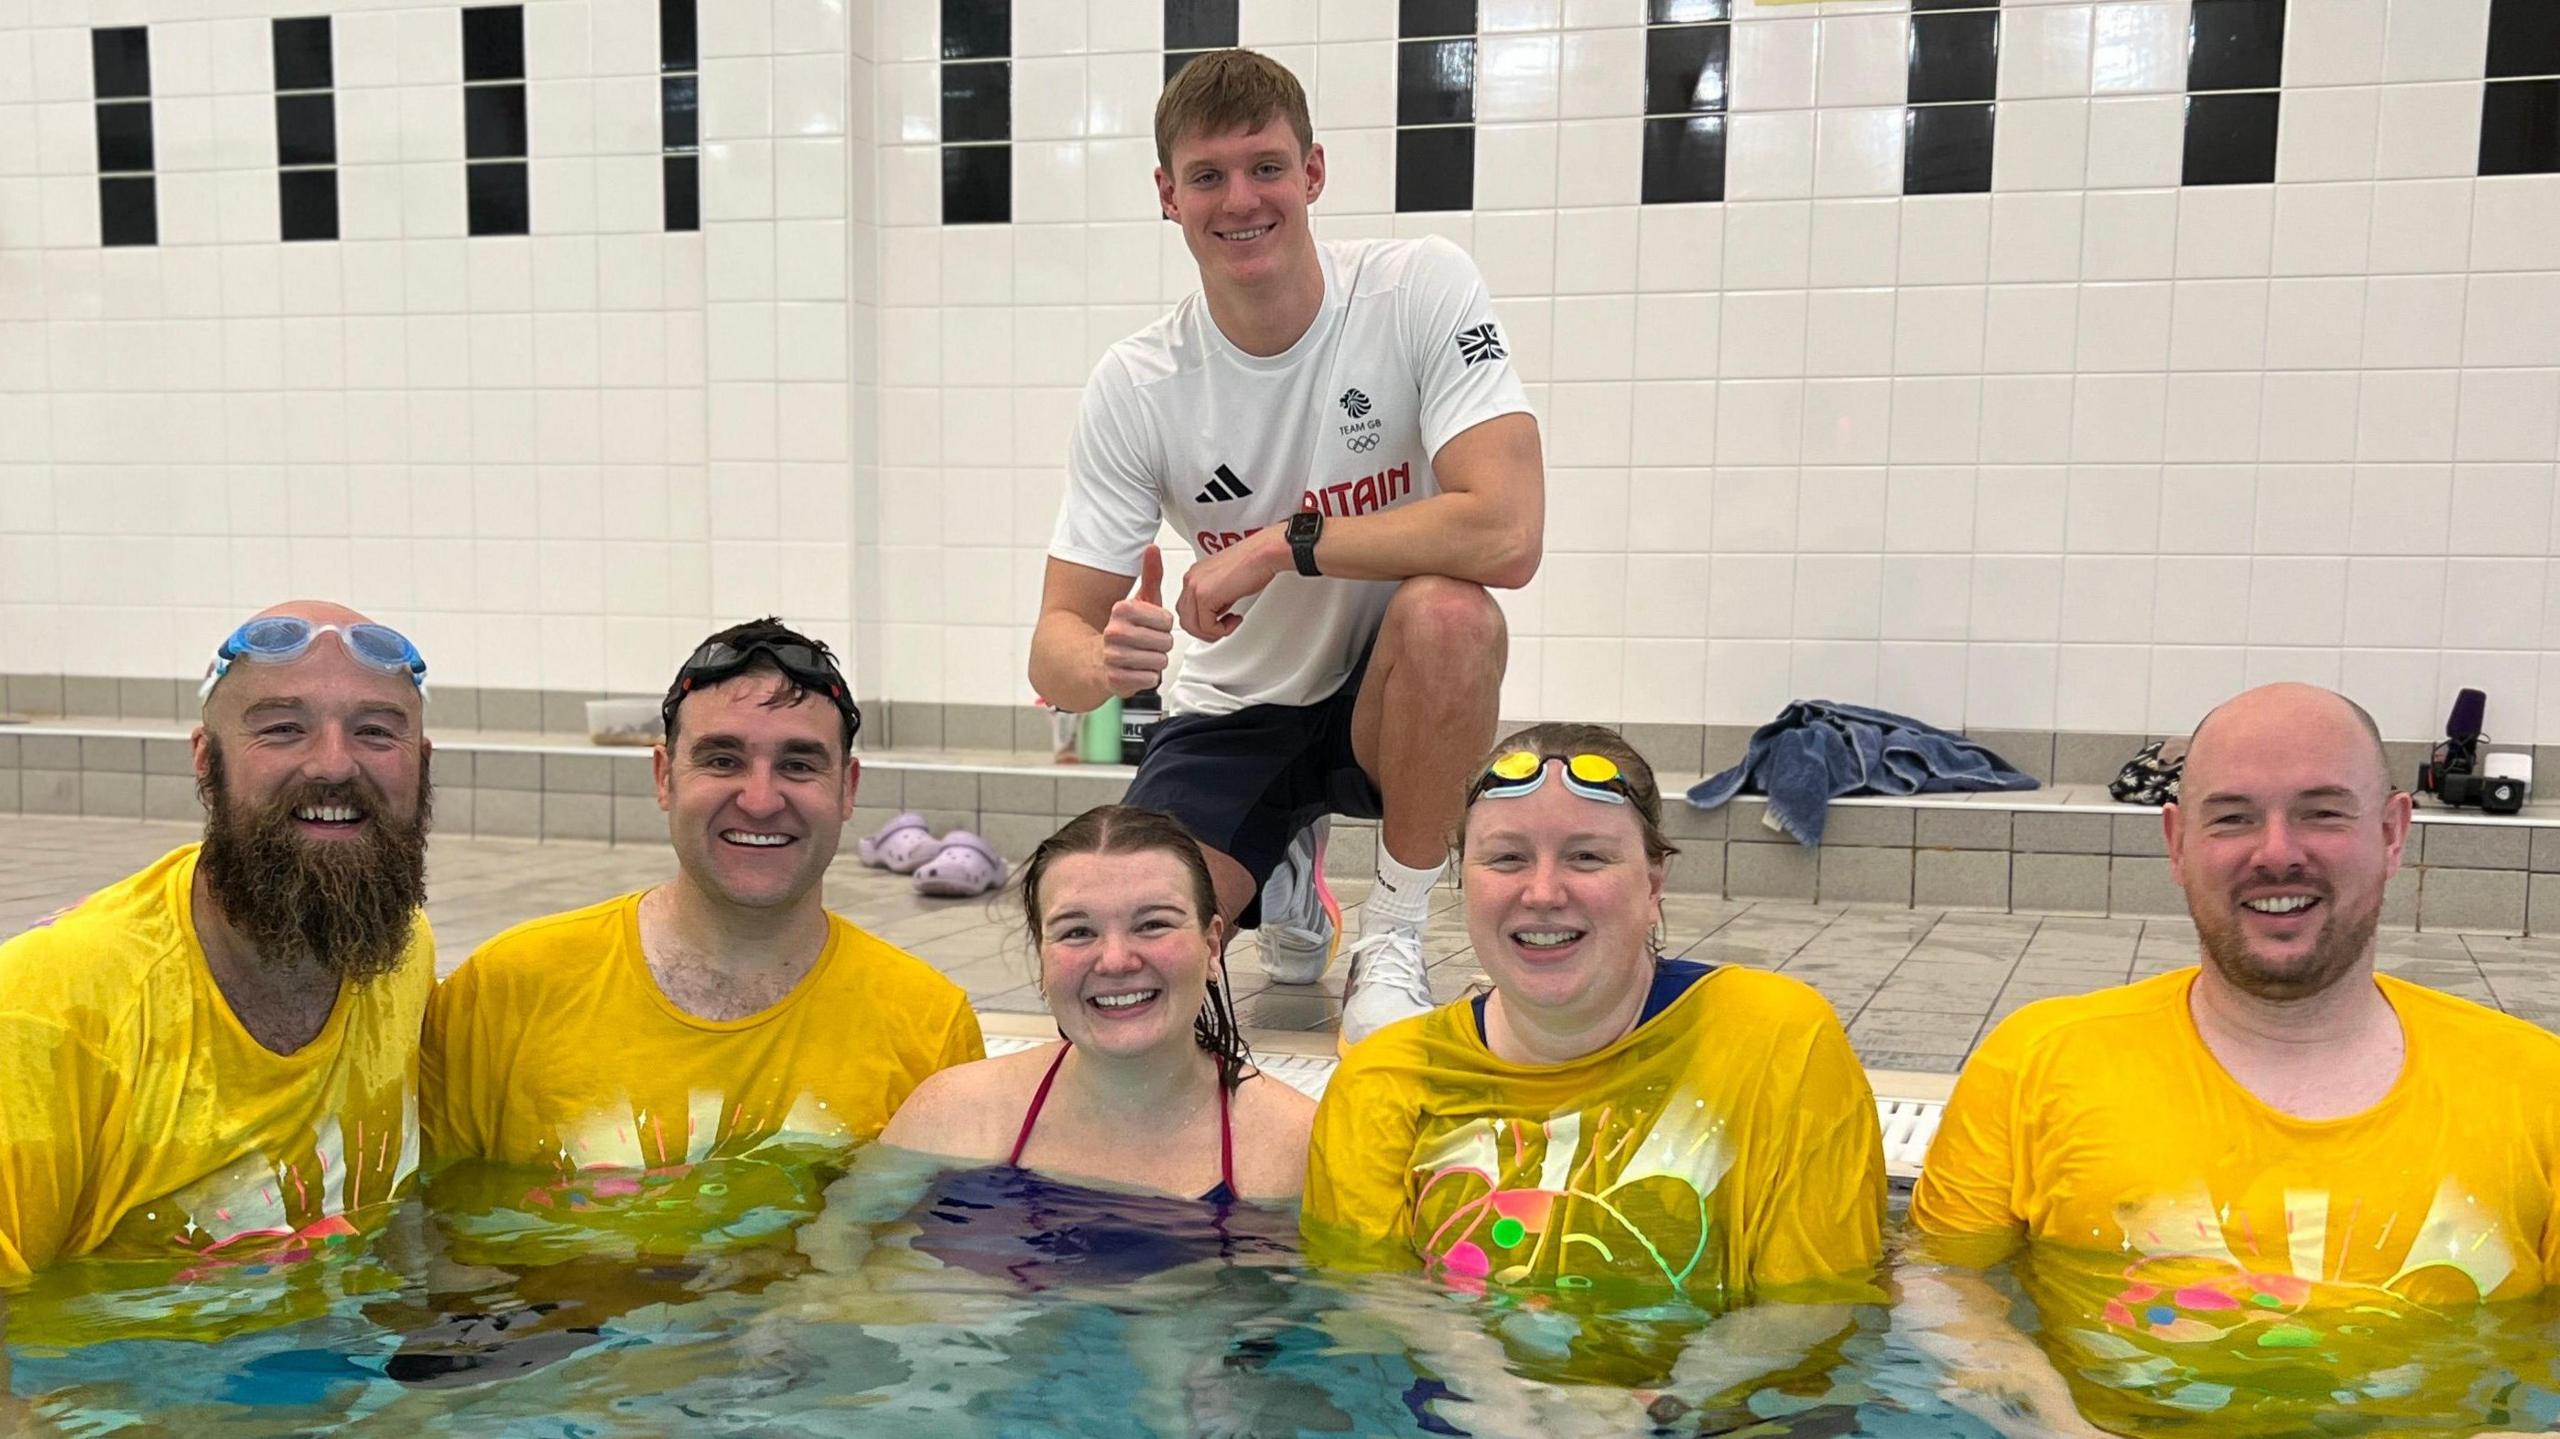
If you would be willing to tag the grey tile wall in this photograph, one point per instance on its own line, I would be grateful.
(2459, 875)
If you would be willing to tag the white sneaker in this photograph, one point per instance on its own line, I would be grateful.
(1387, 983)
(1301, 920)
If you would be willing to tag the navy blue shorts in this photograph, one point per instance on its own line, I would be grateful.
(1244, 784)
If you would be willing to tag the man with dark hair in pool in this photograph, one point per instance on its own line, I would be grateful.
(2248, 1185)
(215, 1059)
(683, 1068)
(725, 1013)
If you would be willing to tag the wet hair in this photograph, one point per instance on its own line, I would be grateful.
(1229, 91)
(768, 630)
(1115, 829)
(1564, 738)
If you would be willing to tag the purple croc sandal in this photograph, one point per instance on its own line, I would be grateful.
(901, 845)
(966, 865)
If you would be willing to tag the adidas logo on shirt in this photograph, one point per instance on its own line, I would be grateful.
(1224, 485)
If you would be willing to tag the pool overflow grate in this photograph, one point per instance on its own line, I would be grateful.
(1909, 1124)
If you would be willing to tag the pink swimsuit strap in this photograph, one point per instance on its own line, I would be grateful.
(1040, 1098)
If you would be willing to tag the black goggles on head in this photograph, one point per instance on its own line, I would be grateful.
(803, 665)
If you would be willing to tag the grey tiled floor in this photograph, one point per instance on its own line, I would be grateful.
(1916, 987)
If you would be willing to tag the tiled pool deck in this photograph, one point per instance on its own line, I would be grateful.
(1916, 987)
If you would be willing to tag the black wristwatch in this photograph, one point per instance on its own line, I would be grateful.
(1305, 527)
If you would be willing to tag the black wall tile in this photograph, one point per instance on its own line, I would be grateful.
(307, 129)
(1435, 82)
(684, 192)
(977, 184)
(124, 137)
(2235, 44)
(1683, 159)
(2520, 128)
(1687, 12)
(2524, 38)
(303, 60)
(680, 101)
(1199, 24)
(128, 211)
(499, 202)
(493, 122)
(1927, 5)
(493, 43)
(1422, 19)
(977, 101)
(2231, 139)
(120, 62)
(308, 202)
(1946, 150)
(1955, 57)
(1436, 169)
(976, 29)
(1685, 68)
(1174, 60)
(677, 47)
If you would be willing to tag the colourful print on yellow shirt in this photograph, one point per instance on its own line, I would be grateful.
(1724, 1150)
(138, 1119)
(2192, 1244)
(553, 1050)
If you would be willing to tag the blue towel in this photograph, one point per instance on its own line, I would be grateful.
(1816, 750)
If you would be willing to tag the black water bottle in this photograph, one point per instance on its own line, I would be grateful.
(1140, 713)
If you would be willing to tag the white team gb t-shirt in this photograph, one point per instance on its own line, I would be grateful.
(1178, 423)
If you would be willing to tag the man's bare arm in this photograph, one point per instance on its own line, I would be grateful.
(1994, 1372)
(1488, 525)
(1091, 643)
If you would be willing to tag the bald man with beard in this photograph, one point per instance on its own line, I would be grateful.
(216, 1059)
(2272, 1188)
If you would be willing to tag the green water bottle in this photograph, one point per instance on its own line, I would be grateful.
(1099, 741)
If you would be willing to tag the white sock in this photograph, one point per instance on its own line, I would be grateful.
(1402, 897)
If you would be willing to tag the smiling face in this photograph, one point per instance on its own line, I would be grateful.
(756, 791)
(1560, 897)
(1241, 199)
(314, 779)
(2285, 835)
(1125, 956)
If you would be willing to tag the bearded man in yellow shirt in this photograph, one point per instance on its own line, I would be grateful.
(682, 1060)
(2271, 1189)
(215, 1059)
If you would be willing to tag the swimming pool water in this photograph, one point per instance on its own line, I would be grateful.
(982, 1304)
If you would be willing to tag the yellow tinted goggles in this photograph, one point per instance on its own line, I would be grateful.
(1521, 771)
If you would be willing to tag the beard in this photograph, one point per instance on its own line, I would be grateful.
(2345, 938)
(346, 907)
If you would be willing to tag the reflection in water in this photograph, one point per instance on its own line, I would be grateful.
(987, 1303)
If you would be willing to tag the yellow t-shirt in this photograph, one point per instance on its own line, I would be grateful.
(139, 1119)
(553, 1048)
(2194, 1246)
(1725, 1149)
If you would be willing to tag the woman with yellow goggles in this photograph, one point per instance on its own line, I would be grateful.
(1605, 1118)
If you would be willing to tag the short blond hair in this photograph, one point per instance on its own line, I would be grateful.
(1225, 91)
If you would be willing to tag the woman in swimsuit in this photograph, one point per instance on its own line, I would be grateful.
(1151, 1088)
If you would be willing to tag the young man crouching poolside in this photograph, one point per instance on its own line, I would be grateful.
(1338, 430)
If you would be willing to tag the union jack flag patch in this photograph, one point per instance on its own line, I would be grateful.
(1480, 343)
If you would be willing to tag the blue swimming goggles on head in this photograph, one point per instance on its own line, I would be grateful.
(282, 639)
(1521, 771)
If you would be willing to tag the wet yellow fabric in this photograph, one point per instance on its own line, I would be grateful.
(553, 1052)
(2193, 1248)
(139, 1119)
(1724, 1150)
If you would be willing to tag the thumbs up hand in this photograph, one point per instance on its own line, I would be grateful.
(1139, 639)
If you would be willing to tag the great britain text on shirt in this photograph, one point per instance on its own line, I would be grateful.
(1351, 497)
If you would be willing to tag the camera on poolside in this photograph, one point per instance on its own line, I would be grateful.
(2458, 773)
